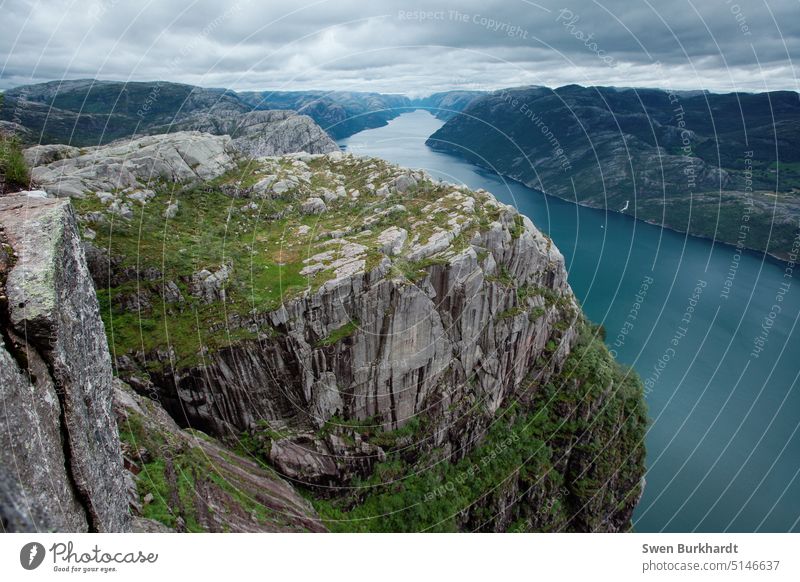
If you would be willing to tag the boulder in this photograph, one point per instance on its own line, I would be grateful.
(171, 293)
(184, 157)
(41, 155)
(314, 205)
(392, 240)
(208, 286)
(171, 211)
(404, 183)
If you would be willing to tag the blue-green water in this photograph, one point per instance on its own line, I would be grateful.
(723, 445)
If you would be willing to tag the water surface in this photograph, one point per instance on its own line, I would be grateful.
(723, 445)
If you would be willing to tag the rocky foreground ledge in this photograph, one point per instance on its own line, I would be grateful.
(60, 459)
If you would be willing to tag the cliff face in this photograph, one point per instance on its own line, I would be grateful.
(406, 351)
(59, 448)
(362, 323)
(454, 331)
(184, 480)
(181, 157)
(64, 464)
(261, 133)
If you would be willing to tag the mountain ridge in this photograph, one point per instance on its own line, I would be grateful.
(706, 164)
(94, 112)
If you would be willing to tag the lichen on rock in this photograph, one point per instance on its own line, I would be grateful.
(57, 376)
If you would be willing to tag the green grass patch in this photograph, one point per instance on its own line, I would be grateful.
(339, 334)
(12, 163)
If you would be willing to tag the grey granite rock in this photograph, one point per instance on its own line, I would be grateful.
(264, 133)
(175, 157)
(226, 492)
(61, 437)
(41, 155)
(404, 183)
(458, 332)
(11, 129)
(208, 286)
(314, 205)
(171, 211)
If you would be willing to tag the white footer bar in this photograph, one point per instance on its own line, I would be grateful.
(399, 557)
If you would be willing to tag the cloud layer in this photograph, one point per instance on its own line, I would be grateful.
(406, 46)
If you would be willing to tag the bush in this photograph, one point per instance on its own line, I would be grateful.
(12, 164)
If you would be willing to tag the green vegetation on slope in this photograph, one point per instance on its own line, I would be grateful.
(182, 477)
(703, 163)
(92, 112)
(266, 241)
(566, 462)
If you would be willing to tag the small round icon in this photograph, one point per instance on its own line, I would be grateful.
(31, 555)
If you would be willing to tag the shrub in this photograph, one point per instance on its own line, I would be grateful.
(12, 163)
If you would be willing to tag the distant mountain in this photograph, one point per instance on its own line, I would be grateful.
(89, 112)
(340, 113)
(718, 166)
(449, 103)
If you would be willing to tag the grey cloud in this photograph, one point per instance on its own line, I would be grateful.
(406, 46)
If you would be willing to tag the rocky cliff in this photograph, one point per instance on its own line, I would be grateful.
(181, 157)
(63, 170)
(184, 480)
(60, 462)
(355, 325)
(263, 133)
(64, 463)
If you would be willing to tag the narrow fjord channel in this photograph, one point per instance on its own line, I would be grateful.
(713, 335)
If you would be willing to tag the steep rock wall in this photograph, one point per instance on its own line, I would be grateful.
(466, 332)
(59, 447)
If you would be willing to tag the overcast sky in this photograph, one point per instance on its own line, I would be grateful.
(407, 47)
